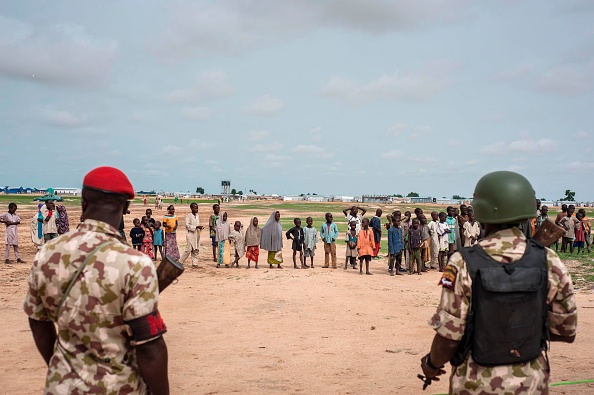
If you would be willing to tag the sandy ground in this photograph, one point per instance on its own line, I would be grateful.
(272, 331)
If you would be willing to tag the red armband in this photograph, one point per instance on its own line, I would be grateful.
(147, 327)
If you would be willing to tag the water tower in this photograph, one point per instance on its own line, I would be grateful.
(225, 190)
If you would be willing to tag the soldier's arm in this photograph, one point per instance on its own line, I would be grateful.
(44, 335)
(152, 362)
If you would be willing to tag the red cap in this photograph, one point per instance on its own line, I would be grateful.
(109, 179)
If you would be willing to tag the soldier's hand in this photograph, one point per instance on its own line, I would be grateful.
(429, 370)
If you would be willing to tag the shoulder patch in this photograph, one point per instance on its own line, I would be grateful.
(448, 279)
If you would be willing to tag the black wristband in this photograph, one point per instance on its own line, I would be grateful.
(428, 361)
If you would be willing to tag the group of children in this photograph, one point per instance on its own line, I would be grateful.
(577, 227)
(147, 236)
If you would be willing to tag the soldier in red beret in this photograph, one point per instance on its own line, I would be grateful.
(102, 295)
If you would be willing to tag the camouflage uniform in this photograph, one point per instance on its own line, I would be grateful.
(449, 321)
(93, 352)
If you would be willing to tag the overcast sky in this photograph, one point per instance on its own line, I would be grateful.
(333, 97)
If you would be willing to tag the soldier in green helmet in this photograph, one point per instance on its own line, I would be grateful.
(501, 301)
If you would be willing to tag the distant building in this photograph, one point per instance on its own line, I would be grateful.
(317, 198)
(67, 191)
(422, 199)
(376, 199)
(293, 198)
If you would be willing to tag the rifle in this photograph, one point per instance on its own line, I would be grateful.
(548, 233)
(168, 271)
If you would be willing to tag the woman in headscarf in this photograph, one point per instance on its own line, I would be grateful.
(36, 228)
(223, 229)
(272, 240)
(170, 224)
(62, 220)
(253, 234)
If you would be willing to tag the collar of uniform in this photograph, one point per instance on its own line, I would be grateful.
(92, 225)
(510, 233)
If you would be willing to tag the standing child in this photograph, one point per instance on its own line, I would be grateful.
(170, 223)
(253, 235)
(443, 231)
(472, 230)
(329, 233)
(212, 225)
(237, 242)
(452, 235)
(365, 246)
(147, 240)
(158, 239)
(434, 236)
(405, 223)
(296, 234)
(309, 245)
(580, 234)
(376, 226)
(136, 235)
(351, 241)
(424, 240)
(11, 237)
(395, 247)
(224, 245)
(414, 247)
(585, 222)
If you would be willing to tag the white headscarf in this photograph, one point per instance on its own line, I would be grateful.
(223, 228)
(272, 234)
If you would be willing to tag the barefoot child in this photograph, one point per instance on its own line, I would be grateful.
(309, 245)
(237, 242)
(443, 231)
(395, 247)
(296, 234)
(329, 233)
(414, 247)
(424, 240)
(252, 241)
(223, 229)
(472, 230)
(212, 225)
(351, 241)
(147, 240)
(580, 236)
(158, 239)
(434, 238)
(136, 235)
(365, 246)
(11, 237)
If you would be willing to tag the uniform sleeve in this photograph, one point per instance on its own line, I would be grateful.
(33, 304)
(561, 298)
(450, 319)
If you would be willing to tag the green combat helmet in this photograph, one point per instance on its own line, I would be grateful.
(503, 197)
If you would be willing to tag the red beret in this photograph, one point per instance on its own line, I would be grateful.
(109, 179)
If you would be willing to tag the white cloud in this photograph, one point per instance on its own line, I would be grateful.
(193, 145)
(256, 135)
(472, 162)
(396, 129)
(62, 119)
(197, 113)
(524, 145)
(172, 149)
(394, 154)
(264, 105)
(210, 85)
(417, 85)
(419, 132)
(267, 147)
(198, 29)
(59, 55)
(566, 79)
(582, 135)
(310, 150)
(275, 158)
(495, 149)
(316, 134)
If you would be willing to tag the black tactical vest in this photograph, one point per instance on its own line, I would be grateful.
(507, 323)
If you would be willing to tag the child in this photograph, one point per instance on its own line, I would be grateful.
(147, 240)
(212, 225)
(329, 233)
(237, 242)
(365, 246)
(296, 234)
(443, 231)
(11, 237)
(453, 224)
(351, 241)
(310, 235)
(376, 226)
(568, 223)
(414, 247)
(405, 223)
(434, 237)
(158, 239)
(395, 247)
(223, 231)
(170, 224)
(580, 235)
(585, 221)
(472, 230)
(424, 239)
(136, 235)
(252, 241)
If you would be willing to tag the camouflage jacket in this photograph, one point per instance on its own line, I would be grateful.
(93, 353)
(450, 320)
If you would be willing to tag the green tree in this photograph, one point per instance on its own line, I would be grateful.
(200, 190)
(240, 193)
(569, 196)
(412, 194)
(233, 191)
(398, 195)
(458, 197)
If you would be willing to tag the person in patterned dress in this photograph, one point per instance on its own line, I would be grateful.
(502, 200)
(92, 302)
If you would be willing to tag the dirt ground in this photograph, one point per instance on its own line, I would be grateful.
(272, 331)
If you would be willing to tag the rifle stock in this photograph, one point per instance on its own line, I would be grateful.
(548, 233)
(168, 271)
